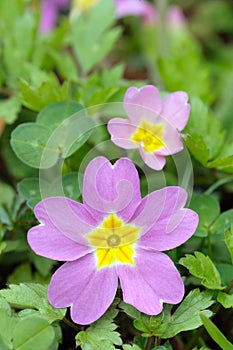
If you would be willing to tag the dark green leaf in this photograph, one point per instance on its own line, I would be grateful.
(215, 333)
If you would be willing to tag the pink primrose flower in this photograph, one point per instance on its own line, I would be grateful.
(114, 234)
(153, 125)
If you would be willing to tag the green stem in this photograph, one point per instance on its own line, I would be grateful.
(217, 184)
(228, 289)
(71, 324)
(149, 340)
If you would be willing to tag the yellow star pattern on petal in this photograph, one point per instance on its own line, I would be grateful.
(150, 136)
(113, 241)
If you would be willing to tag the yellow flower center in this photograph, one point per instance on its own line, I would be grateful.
(150, 136)
(113, 241)
(83, 6)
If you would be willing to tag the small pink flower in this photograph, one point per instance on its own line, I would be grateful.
(153, 125)
(136, 8)
(114, 234)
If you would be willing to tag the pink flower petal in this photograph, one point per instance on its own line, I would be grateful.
(153, 160)
(176, 109)
(172, 140)
(68, 217)
(159, 205)
(151, 282)
(89, 292)
(135, 8)
(121, 131)
(170, 232)
(48, 241)
(112, 188)
(144, 103)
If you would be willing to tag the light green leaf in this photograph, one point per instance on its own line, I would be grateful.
(101, 335)
(225, 299)
(202, 267)
(61, 129)
(229, 241)
(131, 347)
(197, 147)
(93, 38)
(37, 97)
(224, 164)
(223, 222)
(187, 315)
(32, 296)
(215, 333)
(29, 140)
(208, 210)
(33, 332)
(9, 109)
(7, 325)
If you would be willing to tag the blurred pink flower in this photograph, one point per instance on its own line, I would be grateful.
(136, 8)
(114, 234)
(49, 13)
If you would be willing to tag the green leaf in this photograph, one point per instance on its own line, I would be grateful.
(61, 129)
(9, 109)
(33, 332)
(215, 333)
(66, 185)
(223, 164)
(205, 135)
(93, 38)
(197, 147)
(131, 347)
(225, 299)
(130, 310)
(7, 325)
(187, 315)
(202, 267)
(32, 296)
(37, 97)
(229, 241)
(29, 141)
(223, 222)
(101, 335)
(208, 210)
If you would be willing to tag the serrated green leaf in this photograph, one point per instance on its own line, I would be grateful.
(131, 347)
(202, 267)
(225, 299)
(97, 36)
(229, 241)
(215, 333)
(130, 310)
(33, 332)
(32, 296)
(187, 315)
(101, 335)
